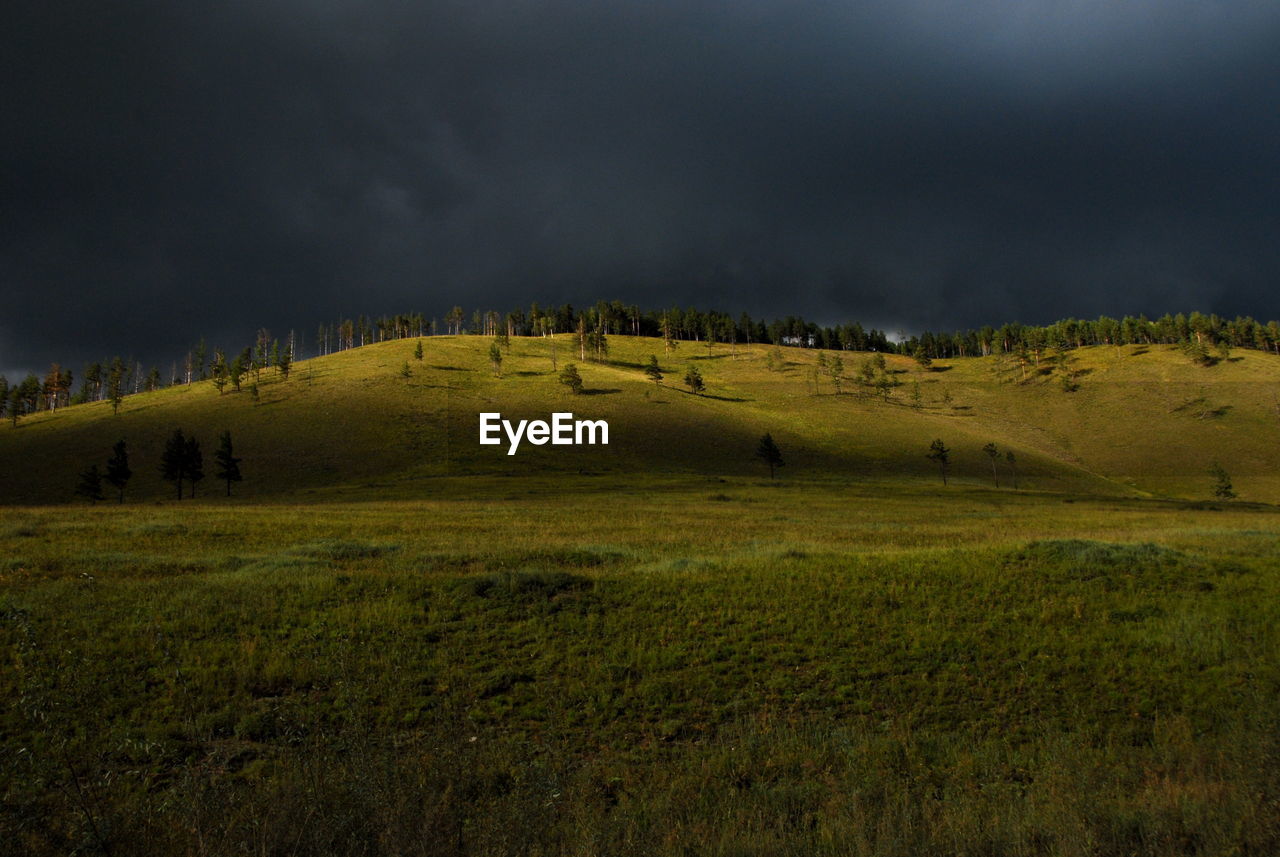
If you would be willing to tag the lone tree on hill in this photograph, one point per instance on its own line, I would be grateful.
(174, 459)
(417, 352)
(993, 454)
(1013, 466)
(193, 462)
(228, 465)
(693, 380)
(404, 370)
(769, 453)
(652, 371)
(90, 486)
(1222, 490)
(939, 453)
(118, 472)
(495, 358)
(571, 379)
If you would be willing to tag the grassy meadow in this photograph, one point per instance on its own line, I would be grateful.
(395, 641)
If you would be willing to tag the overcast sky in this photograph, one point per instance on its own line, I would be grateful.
(171, 170)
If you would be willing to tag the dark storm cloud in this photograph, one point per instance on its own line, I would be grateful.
(171, 170)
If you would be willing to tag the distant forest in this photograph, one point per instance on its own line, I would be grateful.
(118, 377)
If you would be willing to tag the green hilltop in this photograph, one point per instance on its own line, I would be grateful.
(1113, 420)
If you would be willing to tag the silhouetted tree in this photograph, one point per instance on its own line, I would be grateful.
(90, 486)
(193, 462)
(769, 453)
(115, 384)
(118, 472)
(939, 454)
(228, 465)
(1013, 466)
(173, 460)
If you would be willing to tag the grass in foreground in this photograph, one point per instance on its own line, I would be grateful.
(669, 667)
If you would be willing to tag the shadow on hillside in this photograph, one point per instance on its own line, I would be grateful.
(601, 392)
(711, 357)
(940, 368)
(527, 374)
(451, 368)
(717, 398)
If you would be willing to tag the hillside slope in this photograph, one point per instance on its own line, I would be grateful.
(1141, 420)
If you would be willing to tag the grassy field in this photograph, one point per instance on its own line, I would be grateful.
(398, 642)
(1143, 421)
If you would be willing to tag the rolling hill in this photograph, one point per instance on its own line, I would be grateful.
(1104, 420)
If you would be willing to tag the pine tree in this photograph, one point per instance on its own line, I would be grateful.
(193, 462)
(220, 372)
(118, 471)
(1013, 466)
(235, 372)
(993, 454)
(115, 384)
(173, 460)
(417, 352)
(495, 358)
(90, 486)
(571, 379)
(228, 465)
(836, 368)
(652, 371)
(405, 372)
(693, 380)
(284, 361)
(939, 454)
(769, 453)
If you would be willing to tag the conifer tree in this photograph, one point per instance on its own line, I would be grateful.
(693, 380)
(284, 361)
(653, 371)
(571, 379)
(220, 372)
(118, 472)
(417, 352)
(228, 465)
(405, 372)
(90, 486)
(495, 358)
(939, 454)
(173, 460)
(115, 384)
(198, 359)
(769, 453)
(993, 454)
(1013, 466)
(193, 462)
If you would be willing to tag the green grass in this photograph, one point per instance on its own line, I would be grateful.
(795, 669)
(396, 641)
(1144, 421)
